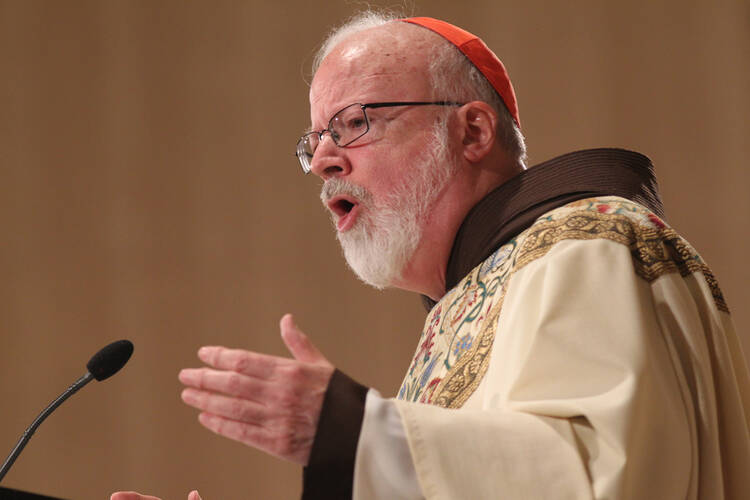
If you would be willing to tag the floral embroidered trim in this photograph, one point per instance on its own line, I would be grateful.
(464, 378)
(656, 248)
(450, 337)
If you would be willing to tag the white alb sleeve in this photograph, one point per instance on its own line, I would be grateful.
(383, 467)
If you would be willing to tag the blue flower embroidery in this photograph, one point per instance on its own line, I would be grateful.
(494, 260)
(426, 374)
(464, 344)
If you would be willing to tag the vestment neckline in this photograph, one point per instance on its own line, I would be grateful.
(515, 205)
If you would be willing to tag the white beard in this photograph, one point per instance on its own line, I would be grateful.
(383, 239)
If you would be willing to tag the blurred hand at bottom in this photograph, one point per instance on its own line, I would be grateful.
(132, 495)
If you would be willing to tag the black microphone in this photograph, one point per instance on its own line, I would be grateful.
(102, 365)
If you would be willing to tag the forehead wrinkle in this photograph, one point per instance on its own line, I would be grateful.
(378, 64)
(354, 84)
(365, 89)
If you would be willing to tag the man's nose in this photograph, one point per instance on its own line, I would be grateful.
(329, 160)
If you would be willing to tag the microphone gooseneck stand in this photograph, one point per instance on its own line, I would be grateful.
(38, 420)
(102, 365)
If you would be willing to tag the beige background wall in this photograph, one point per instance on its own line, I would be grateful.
(148, 191)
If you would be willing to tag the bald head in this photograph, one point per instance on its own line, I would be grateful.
(393, 52)
(363, 22)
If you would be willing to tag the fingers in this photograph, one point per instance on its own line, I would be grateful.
(193, 495)
(298, 343)
(263, 366)
(239, 360)
(233, 408)
(227, 382)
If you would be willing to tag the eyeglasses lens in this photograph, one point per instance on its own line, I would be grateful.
(345, 127)
(348, 125)
(306, 148)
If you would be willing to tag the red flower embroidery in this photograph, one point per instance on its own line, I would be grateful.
(430, 390)
(425, 349)
(603, 209)
(468, 300)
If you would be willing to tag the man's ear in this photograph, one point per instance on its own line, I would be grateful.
(478, 124)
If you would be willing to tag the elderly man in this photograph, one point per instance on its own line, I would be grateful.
(576, 346)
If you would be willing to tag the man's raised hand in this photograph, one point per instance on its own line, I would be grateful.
(267, 402)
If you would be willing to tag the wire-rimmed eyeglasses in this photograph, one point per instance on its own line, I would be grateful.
(348, 125)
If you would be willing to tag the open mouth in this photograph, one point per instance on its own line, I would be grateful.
(345, 209)
(341, 206)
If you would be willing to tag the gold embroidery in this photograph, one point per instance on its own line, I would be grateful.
(656, 249)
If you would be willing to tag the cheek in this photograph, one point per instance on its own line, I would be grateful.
(384, 171)
(385, 166)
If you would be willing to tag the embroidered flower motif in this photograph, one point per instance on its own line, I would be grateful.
(430, 391)
(496, 259)
(603, 208)
(464, 344)
(467, 301)
(426, 374)
(427, 345)
(425, 348)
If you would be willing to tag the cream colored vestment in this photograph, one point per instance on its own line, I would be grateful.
(593, 356)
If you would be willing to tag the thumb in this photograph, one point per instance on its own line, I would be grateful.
(194, 495)
(298, 343)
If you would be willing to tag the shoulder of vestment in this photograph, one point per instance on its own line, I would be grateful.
(454, 349)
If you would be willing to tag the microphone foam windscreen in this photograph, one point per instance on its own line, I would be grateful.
(110, 359)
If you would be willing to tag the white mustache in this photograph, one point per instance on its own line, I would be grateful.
(341, 187)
